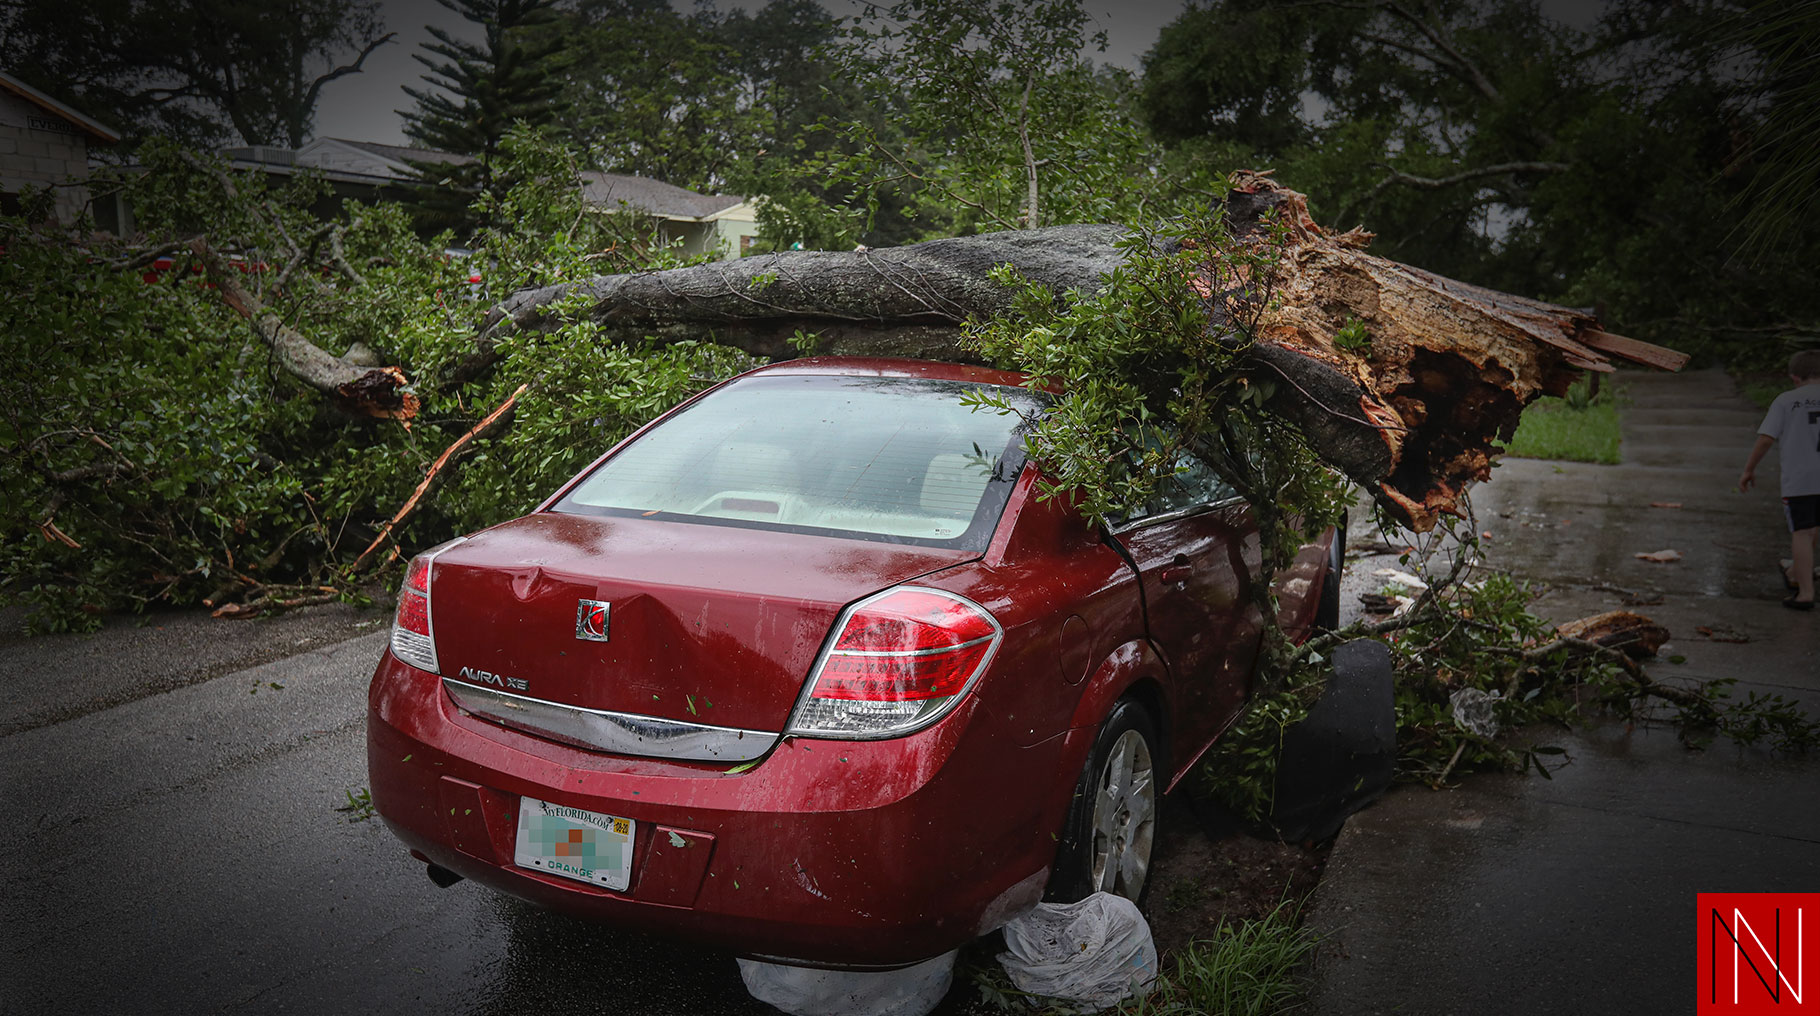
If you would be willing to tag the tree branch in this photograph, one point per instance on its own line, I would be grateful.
(1023, 136)
(309, 99)
(364, 390)
(489, 423)
(1466, 68)
(1396, 177)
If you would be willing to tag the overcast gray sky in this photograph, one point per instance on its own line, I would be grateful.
(363, 107)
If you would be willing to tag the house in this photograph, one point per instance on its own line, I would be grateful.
(700, 222)
(367, 171)
(44, 143)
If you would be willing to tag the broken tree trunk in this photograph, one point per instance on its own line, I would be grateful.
(1415, 417)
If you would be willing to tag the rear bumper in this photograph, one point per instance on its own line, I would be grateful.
(842, 853)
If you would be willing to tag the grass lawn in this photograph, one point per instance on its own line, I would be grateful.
(1554, 429)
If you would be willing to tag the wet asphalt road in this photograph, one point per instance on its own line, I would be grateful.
(173, 846)
(181, 853)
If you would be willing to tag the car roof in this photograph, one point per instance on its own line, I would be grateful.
(866, 366)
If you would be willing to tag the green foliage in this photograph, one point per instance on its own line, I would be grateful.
(1145, 369)
(990, 120)
(153, 430)
(654, 92)
(1353, 337)
(360, 805)
(1246, 968)
(1779, 201)
(1761, 388)
(1150, 371)
(476, 94)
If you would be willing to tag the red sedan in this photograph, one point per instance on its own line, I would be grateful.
(807, 669)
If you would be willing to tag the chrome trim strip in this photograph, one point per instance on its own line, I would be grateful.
(620, 733)
(898, 653)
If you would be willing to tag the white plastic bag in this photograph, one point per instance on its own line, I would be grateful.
(803, 991)
(1092, 953)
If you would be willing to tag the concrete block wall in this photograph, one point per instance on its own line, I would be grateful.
(38, 149)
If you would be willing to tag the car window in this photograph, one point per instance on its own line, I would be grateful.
(1193, 484)
(901, 459)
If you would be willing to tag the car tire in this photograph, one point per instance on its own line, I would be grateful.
(1107, 841)
(1327, 615)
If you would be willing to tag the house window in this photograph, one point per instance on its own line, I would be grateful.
(745, 244)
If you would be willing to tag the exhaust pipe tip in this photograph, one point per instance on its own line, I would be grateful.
(440, 875)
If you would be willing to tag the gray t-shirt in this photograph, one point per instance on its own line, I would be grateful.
(1794, 421)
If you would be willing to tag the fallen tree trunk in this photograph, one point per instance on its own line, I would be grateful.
(1415, 415)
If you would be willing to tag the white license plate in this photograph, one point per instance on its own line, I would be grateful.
(583, 845)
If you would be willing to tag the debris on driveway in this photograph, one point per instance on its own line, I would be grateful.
(1722, 633)
(1473, 711)
(1402, 578)
(1635, 634)
(1659, 556)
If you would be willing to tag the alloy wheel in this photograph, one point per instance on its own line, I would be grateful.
(1124, 818)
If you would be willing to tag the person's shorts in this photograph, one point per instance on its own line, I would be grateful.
(1803, 512)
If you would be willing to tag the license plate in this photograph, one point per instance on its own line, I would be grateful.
(583, 845)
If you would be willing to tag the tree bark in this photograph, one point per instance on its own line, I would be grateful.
(1414, 417)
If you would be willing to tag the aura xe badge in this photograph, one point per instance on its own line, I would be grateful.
(591, 620)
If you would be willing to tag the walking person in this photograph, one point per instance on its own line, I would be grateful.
(1793, 422)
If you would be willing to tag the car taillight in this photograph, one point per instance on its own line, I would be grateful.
(413, 639)
(899, 661)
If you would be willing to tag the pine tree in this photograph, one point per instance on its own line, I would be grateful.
(478, 92)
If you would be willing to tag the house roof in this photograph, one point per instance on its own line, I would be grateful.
(405, 155)
(655, 197)
(360, 162)
(55, 108)
(368, 162)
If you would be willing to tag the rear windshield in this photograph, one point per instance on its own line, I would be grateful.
(894, 459)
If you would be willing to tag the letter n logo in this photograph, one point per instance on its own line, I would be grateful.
(1753, 954)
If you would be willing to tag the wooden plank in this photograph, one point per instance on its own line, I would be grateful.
(1635, 350)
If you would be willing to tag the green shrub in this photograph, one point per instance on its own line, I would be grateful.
(156, 453)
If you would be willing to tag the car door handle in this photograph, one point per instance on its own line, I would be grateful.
(1174, 574)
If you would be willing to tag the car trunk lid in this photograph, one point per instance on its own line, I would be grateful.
(705, 624)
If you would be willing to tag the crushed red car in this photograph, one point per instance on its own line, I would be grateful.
(807, 669)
